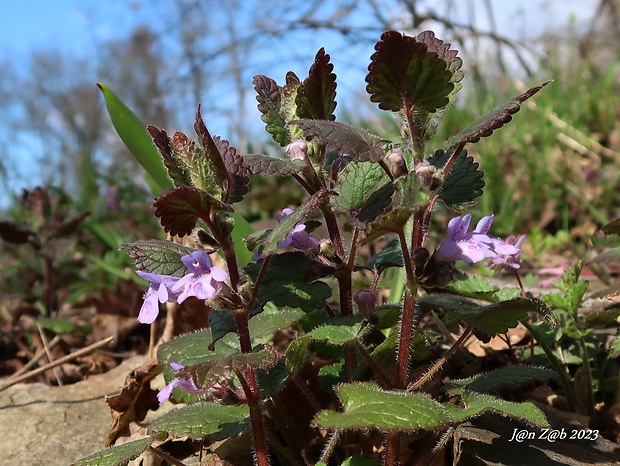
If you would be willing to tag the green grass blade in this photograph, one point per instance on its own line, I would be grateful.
(134, 135)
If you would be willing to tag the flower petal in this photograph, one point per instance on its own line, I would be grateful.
(150, 307)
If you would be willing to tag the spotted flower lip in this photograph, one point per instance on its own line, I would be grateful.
(203, 281)
(473, 246)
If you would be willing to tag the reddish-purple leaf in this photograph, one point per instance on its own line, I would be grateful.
(404, 74)
(180, 208)
(176, 169)
(269, 97)
(266, 165)
(393, 221)
(485, 125)
(212, 152)
(237, 171)
(344, 139)
(316, 96)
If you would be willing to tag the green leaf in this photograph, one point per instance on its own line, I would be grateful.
(204, 420)
(404, 74)
(366, 406)
(267, 165)
(472, 286)
(610, 256)
(338, 331)
(221, 322)
(316, 95)
(443, 51)
(286, 282)
(296, 354)
(158, 256)
(510, 375)
(266, 324)
(364, 190)
(389, 256)
(603, 318)
(180, 208)
(478, 403)
(485, 125)
(134, 135)
(464, 181)
(58, 326)
(176, 165)
(117, 455)
(344, 139)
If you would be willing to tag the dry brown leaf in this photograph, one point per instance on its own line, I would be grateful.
(135, 400)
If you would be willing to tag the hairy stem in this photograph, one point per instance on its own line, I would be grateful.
(250, 388)
(228, 249)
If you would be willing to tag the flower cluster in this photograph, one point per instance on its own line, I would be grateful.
(203, 281)
(475, 246)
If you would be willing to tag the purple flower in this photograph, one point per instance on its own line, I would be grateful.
(185, 383)
(297, 150)
(160, 291)
(473, 246)
(509, 260)
(204, 281)
(298, 238)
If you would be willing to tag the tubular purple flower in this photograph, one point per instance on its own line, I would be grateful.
(298, 238)
(510, 260)
(204, 281)
(473, 246)
(186, 384)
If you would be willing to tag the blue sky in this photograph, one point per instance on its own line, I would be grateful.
(78, 25)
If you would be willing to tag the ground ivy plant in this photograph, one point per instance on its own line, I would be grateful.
(362, 380)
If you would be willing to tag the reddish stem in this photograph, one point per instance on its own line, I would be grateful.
(229, 252)
(250, 388)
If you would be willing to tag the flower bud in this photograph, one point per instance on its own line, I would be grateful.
(297, 150)
(397, 163)
(424, 174)
(366, 301)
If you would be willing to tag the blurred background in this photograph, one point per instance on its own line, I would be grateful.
(552, 173)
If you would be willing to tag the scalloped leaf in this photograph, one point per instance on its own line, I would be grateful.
(478, 403)
(390, 256)
(204, 420)
(267, 165)
(344, 139)
(449, 55)
(158, 256)
(221, 322)
(269, 97)
(510, 375)
(472, 286)
(269, 240)
(392, 221)
(316, 95)
(177, 170)
(364, 190)
(404, 74)
(339, 331)
(116, 455)
(501, 115)
(236, 170)
(366, 406)
(464, 182)
(611, 256)
(213, 156)
(15, 233)
(286, 282)
(180, 208)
